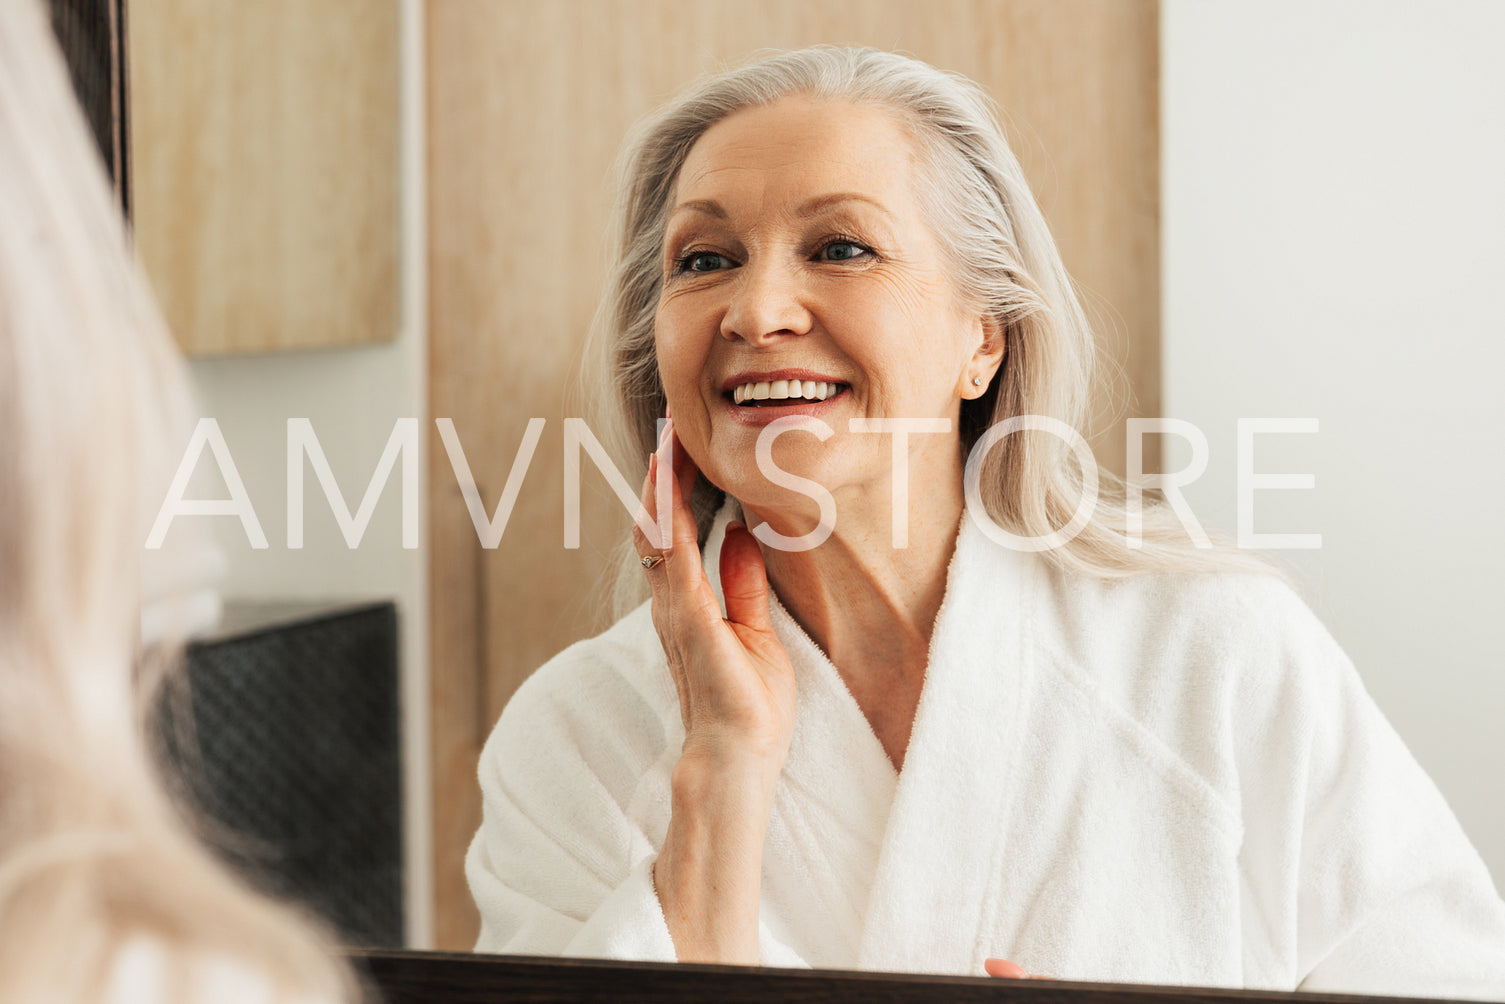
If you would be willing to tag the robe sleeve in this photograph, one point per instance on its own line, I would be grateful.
(558, 867)
(563, 861)
(1350, 848)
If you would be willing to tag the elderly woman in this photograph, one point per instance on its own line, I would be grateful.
(933, 710)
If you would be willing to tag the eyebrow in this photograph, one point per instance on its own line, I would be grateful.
(810, 207)
(819, 204)
(708, 207)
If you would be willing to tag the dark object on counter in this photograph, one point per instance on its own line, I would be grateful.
(291, 752)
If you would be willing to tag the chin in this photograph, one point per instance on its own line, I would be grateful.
(748, 485)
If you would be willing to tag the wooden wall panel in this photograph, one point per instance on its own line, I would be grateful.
(264, 161)
(528, 103)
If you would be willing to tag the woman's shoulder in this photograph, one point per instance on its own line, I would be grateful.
(1198, 662)
(1202, 618)
(626, 660)
(613, 689)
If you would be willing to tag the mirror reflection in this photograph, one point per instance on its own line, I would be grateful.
(899, 699)
(855, 724)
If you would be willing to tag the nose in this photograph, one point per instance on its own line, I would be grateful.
(766, 306)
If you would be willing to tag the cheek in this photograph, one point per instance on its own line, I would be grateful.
(679, 355)
(897, 344)
(682, 355)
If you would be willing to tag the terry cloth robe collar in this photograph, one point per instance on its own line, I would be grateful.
(919, 885)
(928, 887)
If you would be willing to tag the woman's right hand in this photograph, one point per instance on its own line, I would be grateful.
(1005, 969)
(735, 683)
(736, 698)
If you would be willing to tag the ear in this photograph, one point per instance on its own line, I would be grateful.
(986, 359)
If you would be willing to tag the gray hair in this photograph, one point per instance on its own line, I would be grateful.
(94, 404)
(1006, 263)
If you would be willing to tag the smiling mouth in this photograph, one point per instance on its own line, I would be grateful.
(772, 393)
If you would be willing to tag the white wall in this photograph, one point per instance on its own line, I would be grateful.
(1334, 247)
(352, 397)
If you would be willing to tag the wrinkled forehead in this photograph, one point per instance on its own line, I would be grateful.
(777, 157)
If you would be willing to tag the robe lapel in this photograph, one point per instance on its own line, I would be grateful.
(935, 882)
(830, 811)
(921, 899)
(832, 804)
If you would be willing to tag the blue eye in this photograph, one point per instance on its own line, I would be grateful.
(703, 261)
(842, 251)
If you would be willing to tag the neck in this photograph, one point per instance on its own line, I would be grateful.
(871, 606)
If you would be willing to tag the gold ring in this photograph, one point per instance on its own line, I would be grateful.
(652, 560)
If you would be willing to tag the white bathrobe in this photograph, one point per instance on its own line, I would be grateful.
(1165, 779)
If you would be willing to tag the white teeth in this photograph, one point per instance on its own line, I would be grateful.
(781, 390)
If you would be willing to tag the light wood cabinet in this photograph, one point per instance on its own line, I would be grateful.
(264, 142)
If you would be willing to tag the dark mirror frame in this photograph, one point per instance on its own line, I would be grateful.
(436, 978)
(92, 34)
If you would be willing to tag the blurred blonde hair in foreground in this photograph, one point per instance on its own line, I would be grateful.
(104, 892)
